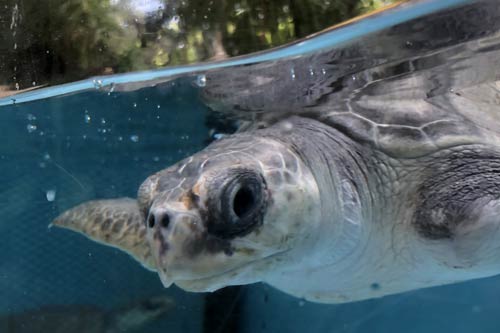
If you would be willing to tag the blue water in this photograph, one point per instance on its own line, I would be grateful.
(100, 138)
(85, 146)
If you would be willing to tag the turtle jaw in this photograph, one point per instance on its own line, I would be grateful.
(241, 275)
(247, 271)
(187, 255)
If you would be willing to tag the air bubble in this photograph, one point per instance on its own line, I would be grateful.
(134, 138)
(97, 84)
(87, 118)
(31, 128)
(50, 195)
(201, 80)
(287, 126)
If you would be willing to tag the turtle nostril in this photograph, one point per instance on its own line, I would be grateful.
(165, 221)
(151, 220)
(160, 217)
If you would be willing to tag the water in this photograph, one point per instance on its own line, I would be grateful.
(100, 138)
(85, 146)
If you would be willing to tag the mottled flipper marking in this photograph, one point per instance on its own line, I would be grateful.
(115, 222)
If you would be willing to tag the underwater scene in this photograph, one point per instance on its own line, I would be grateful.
(325, 176)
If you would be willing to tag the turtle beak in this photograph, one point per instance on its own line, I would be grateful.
(173, 234)
(187, 255)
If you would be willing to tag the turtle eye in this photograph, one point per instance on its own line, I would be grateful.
(244, 201)
(239, 204)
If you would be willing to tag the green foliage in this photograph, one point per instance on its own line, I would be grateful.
(54, 41)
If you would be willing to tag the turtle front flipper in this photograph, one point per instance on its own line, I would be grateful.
(114, 222)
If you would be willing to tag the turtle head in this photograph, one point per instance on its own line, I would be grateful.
(229, 214)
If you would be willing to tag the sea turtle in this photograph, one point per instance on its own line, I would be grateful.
(87, 318)
(355, 173)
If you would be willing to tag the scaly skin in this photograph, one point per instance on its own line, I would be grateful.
(307, 209)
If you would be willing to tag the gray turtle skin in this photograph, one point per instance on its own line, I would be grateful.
(365, 178)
